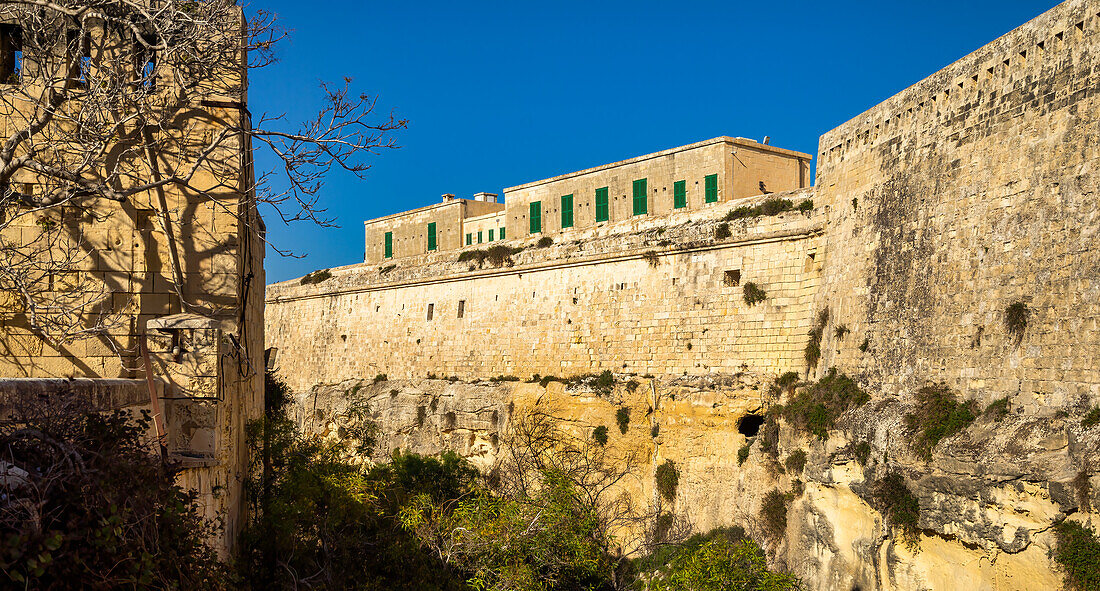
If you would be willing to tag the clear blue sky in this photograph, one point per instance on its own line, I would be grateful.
(500, 93)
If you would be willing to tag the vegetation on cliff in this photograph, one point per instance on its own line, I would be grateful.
(815, 409)
(1078, 552)
(937, 416)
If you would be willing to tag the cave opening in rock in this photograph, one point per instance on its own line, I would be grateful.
(749, 425)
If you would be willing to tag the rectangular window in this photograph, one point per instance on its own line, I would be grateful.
(479, 236)
(11, 54)
(81, 47)
(431, 311)
(389, 244)
(469, 238)
(490, 234)
(711, 182)
(566, 211)
(502, 232)
(641, 201)
(536, 217)
(602, 209)
(679, 194)
(461, 308)
(431, 236)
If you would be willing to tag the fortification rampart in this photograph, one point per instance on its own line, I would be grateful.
(970, 191)
(662, 298)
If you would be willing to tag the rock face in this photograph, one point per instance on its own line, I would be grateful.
(988, 496)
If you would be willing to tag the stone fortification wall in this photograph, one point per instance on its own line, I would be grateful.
(650, 298)
(971, 190)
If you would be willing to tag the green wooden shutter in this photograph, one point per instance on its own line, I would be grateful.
(469, 238)
(431, 236)
(641, 201)
(602, 209)
(566, 211)
(536, 217)
(479, 236)
(490, 234)
(679, 194)
(712, 188)
(389, 244)
(502, 232)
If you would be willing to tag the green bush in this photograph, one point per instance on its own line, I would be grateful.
(1092, 418)
(722, 231)
(796, 461)
(654, 431)
(894, 500)
(743, 453)
(1016, 316)
(753, 294)
(866, 344)
(504, 379)
(722, 565)
(545, 381)
(806, 205)
(773, 514)
(1078, 553)
(544, 242)
(816, 408)
(787, 380)
(817, 333)
(622, 418)
(606, 381)
(651, 257)
(380, 378)
(862, 452)
(667, 478)
(841, 331)
(599, 435)
(938, 415)
(315, 277)
(770, 207)
(497, 255)
(997, 409)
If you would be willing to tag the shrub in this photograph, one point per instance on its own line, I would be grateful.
(997, 409)
(667, 478)
(1016, 315)
(545, 381)
(1092, 418)
(654, 431)
(380, 378)
(386, 269)
(622, 418)
(894, 500)
(632, 385)
(866, 344)
(813, 348)
(1084, 489)
(503, 378)
(722, 231)
(770, 207)
(315, 277)
(599, 435)
(862, 452)
(796, 461)
(787, 380)
(605, 381)
(421, 414)
(743, 453)
(773, 514)
(720, 564)
(497, 255)
(806, 205)
(663, 527)
(817, 408)
(651, 257)
(841, 331)
(938, 416)
(544, 242)
(1078, 552)
(753, 294)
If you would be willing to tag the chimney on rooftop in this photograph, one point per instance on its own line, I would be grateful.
(487, 197)
(448, 197)
(767, 140)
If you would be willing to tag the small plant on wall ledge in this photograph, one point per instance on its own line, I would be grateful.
(651, 257)
(1016, 316)
(667, 477)
(754, 294)
(722, 231)
(622, 417)
(600, 435)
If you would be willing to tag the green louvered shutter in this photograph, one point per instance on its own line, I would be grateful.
(536, 217)
(566, 211)
(502, 232)
(711, 188)
(431, 236)
(641, 203)
(602, 209)
(490, 234)
(679, 194)
(469, 238)
(389, 245)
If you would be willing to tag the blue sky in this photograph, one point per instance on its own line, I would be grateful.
(500, 93)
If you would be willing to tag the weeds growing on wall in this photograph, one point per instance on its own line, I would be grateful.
(773, 514)
(721, 560)
(937, 415)
(544, 242)
(652, 258)
(1016, 317)
(497, 255)
(622, 418)
(815, 409)
(599, 435)
(998, 409)
(841, 331)
(813, 348)
(862, 452)
(667, 478)
(866, 344)
(743, 453)
(1078, 553)
(796, 461)
(806, 205)
(315, 277)
(770, 207)
(386, 269)
(894, 500)
(1084, 490)
(753, 294)
(503, 378)
(654, 431)
(1092, 417)
(722, 231)
(380, 378)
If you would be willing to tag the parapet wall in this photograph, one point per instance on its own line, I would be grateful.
(644, 297)
(971, 190)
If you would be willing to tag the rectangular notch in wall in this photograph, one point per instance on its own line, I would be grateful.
(732, 278)
(461, 308)
(431, 311)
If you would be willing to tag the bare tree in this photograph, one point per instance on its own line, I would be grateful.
(114, 104)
